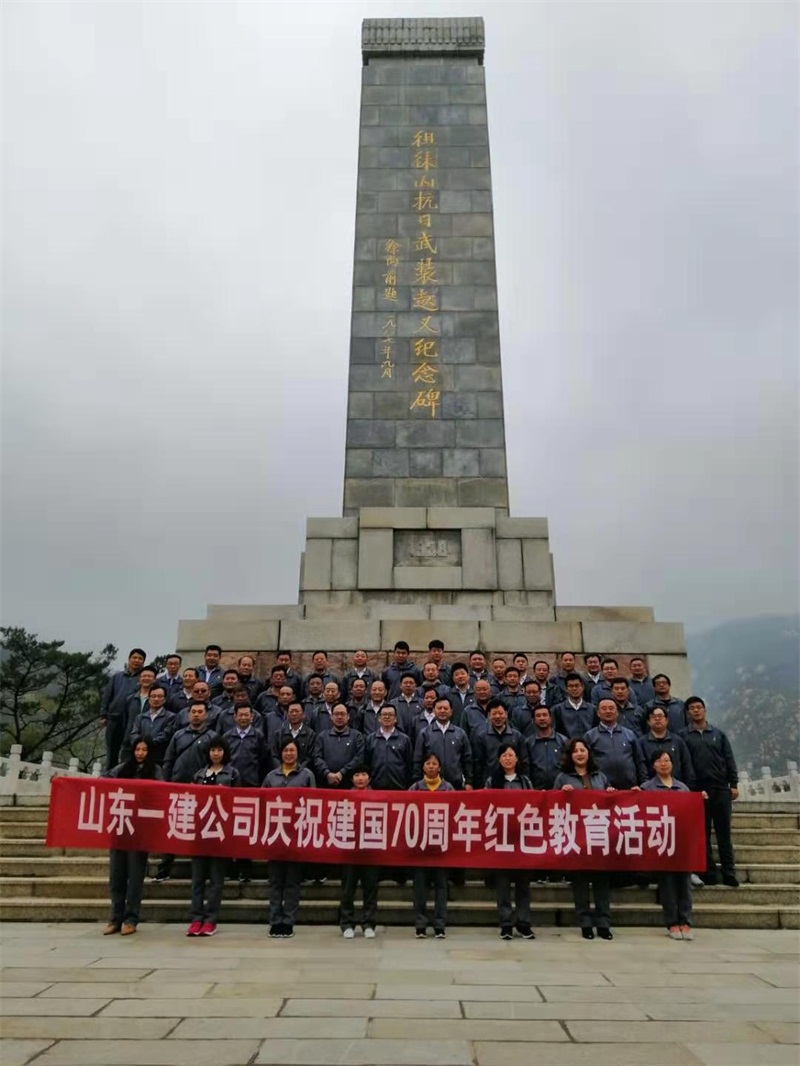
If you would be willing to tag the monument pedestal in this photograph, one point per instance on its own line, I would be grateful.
(466, 576)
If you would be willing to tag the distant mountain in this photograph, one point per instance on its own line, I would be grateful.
(748, 672)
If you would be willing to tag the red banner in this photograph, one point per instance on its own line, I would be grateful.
(540, 830)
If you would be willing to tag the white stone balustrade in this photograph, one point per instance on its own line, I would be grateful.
(28, 781)
(769, 788)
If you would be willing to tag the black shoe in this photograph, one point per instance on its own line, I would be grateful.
(730, 880)
(159, 879)
(287, 931)
(587, 934)
(605, 934)
(420, 934)
(439, 934)
(506, 932)
(525, 931)
(244, 879)
(274, 931)
(709, 879)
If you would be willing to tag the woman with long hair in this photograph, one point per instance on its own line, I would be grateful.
(505, 776)
(579, 771)
(126, 869)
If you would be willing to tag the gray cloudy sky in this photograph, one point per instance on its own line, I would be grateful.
(178, 210)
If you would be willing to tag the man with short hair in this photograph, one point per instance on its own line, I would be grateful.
(114, 704)
(322, 717)
(247, 675)
(314, 686)
(431, 679)
(641, 686)
(715, 773)
(407, 703)
(267, 700)
(574, 716)
(673, 707)
(541, 673)
(603, 687)
(321, 667)
(426, 716)
(226, 719)
(498, 676)
(179, 700)
(211, 670)
(137, 702)
(657, 738)
(273, 723)
(487, 740)
(373, 707)
(545, 747)
(566, 665)
(170, 677)
(630, 714)
(154, 723)
(477, 667)
(230, 682)
(476, 714)
(338, 751)
(356, 703)
(296, 727)
(461, 693)
(514, 698)
(359, 670)
(532, 691)
(448, 743)
(393, 674)
(615, 749)
(520, 660)
(388, 753)
(201, 693)
(593, 674)
(284, 658)
(252, 759)
(436, 654)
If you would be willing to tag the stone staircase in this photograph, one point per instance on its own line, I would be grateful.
(42, 884)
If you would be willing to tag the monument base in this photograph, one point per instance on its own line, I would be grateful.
(466, 576)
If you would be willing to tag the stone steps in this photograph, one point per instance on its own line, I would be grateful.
(313, 911)
(96, 888)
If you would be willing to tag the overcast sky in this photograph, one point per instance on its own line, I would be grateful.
(178, 209)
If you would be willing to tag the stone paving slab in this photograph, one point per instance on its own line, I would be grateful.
(727, 1000)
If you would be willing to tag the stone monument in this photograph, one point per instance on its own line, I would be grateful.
(426, 547)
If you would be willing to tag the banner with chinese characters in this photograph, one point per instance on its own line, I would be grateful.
(545, 830)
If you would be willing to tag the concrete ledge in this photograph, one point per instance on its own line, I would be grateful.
(677, 669)
(335, 528)
(313, 634)
(392, 517)
(427, 577)
(237, 635)
(418, 634)
(605, 614)
(461, 518)
(252, 612)
(451, 612)
(632, 637)
(524, 613)
(351, 612)
(412, 612)
(535, 528)
(535, 636)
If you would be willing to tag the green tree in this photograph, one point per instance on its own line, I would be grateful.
(50, 698)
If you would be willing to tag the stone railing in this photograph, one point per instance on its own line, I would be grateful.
(30, 782)
(769, 788)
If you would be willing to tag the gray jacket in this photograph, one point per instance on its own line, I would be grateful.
(651, 746)
(187, 753)
(544, 758)
(453, 750)
(338, 752)
(389, 760)
(300, 777)
(617, 755)
(250, 756)
(486, 744)
(574, 721)
(114, 701)
(597, 781)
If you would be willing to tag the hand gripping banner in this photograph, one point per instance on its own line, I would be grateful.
(540, 830)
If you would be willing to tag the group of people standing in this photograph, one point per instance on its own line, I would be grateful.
(436, 728)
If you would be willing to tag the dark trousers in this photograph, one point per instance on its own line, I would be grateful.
(675, 896)
(581, 884)
(522, 895)
(284, 892)
(165, 864)
(126, 872)
(423, 877)
(207, 869)
(115, 734)
(719, 811)
(368, 876)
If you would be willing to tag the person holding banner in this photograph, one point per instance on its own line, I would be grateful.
(674, 889)
(352, 874)
(579, 771)
(505, 776)
(285, 878)
(127, 868)
(210, 869)
(432, 781)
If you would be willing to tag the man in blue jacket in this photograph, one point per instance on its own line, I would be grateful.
(615, 749)
(114, 704)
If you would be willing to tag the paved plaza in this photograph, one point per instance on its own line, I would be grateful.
(72, 996)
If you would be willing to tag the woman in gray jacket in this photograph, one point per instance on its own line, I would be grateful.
(285, 878)
(579, 770)
(505, 776)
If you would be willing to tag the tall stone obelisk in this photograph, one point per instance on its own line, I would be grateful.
(425, 547)
(425, 405)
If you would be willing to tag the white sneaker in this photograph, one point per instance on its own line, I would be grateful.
(349, 934)
(697, 882)
(369, 933)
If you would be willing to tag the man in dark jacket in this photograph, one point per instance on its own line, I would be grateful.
(544, 749)
(615, 749)
(247, 676)
(359, 670)
(657, 738)
(641, 685)
(154, 723)
(673, 707)
(210, 671)
(179, 699)
(338, 751)
(392, 675)
(486, 742)
(715, 773)
(297, 728)
(574, 717)
(251, 758)
(631, 715)
(449, 743)
(114, 702)
(388, 753)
